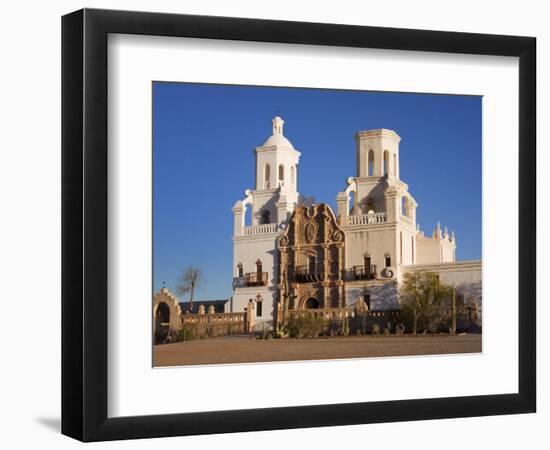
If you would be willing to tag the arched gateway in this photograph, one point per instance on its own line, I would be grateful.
(166, 313)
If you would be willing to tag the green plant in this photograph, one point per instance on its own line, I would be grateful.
(420, 298)
(306, 325)
(375, 329)
(345, 327)
(386, 332)
(188, 332)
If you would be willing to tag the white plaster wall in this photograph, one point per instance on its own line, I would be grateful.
(465, 276)
(383, 294)
(448, 250)
(405, 246)
(376, 240)
(247, 251)
(428, 250)
(242, 296)
(432, 250)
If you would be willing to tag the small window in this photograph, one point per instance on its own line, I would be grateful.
(293, 175)
(281, 172)
(240, 270)
(388, 260)
(258, 309)
(259, 266)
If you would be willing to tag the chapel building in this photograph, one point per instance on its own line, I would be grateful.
(303, 255)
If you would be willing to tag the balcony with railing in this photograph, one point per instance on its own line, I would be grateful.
(257, 230)
(371, 218)
(306, 274)
(364, 272)
(255, 279)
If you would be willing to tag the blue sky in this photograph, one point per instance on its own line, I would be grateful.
(203, 141)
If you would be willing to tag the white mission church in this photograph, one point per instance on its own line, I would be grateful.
(309, 256)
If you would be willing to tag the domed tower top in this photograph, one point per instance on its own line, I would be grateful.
(277, 161)
(277, 138)
(277, 125)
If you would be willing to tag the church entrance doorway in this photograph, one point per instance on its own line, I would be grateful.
(311, 303)
(162, 322)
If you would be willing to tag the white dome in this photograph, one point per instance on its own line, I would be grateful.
(277, 139)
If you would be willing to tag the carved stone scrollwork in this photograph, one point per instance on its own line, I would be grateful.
(337, 236)
(310, 232)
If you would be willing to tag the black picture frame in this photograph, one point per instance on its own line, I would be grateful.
(84, 224)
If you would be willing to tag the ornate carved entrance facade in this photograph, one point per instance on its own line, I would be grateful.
(311, 260)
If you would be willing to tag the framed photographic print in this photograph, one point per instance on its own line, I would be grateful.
(273, 224)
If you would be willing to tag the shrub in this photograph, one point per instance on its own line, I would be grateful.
(345, 327)
(376, 329)
(358, 332)
(188, 332)
(386, 332)
(306, 326)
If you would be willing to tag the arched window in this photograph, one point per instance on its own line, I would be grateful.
(370, 205)
(265, 217)
(267, 175)
(281, 172)
(394, 165)
(240, 270)
(293, 175)
(386, 167)
(370, 167)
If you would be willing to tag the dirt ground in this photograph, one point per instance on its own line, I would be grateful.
(226, 350)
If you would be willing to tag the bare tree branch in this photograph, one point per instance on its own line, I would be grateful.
(189, 280)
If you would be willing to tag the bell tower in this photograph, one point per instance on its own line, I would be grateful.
(276, 192)
(377, 153)
(276, 189)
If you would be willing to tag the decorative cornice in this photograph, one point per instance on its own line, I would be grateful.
(381, 132)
